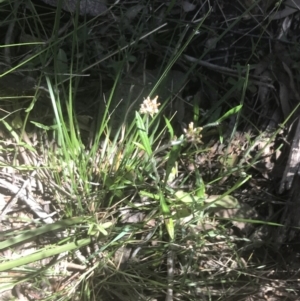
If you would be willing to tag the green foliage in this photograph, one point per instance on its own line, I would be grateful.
(111, 158)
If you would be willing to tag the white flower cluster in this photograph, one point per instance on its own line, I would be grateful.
(193, 134)
(150, 106)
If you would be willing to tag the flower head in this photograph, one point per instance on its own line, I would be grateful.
(193, 134)
(149, 106)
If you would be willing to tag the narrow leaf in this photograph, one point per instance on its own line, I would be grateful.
(230, 112)
(170, 227)
(142, 131)
(30, 234)
(44, 253)
(163, 205)
(173, 156)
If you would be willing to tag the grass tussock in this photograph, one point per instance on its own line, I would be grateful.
(140, 144)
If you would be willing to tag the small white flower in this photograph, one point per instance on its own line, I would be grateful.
(150, 106)
(193, 134)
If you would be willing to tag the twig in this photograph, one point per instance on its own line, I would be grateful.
(28, 200)
(9, 33)
(14, 200)
(292, 165)
(259, 80)
(123, 48)
(170, 270)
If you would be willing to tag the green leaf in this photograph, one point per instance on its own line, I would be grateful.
(150, 195)
(102, 230)
(200, 187)
(44, 127)
(173, 174)
(139, 145)
(233, 111)
(226, 202)
(170, 227)
(29, 234)
(143, 133)
(170, 128)
(184, 196)
(163, 205)
(107, 225)
(12, 132)
(92, 230)
(44, 253)
(173, 156)
(102, 227)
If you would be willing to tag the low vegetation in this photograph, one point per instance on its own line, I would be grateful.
(141, 150)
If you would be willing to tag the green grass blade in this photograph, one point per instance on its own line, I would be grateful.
(170, 227)
(143, 134)
(173, 157)
(60, 225)
(44, 253)
(232, 111)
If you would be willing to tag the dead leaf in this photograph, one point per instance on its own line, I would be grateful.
(88, 7)
(291, 6)
(244, 212)
(133, 11)
(284, 99)
(187, 6)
